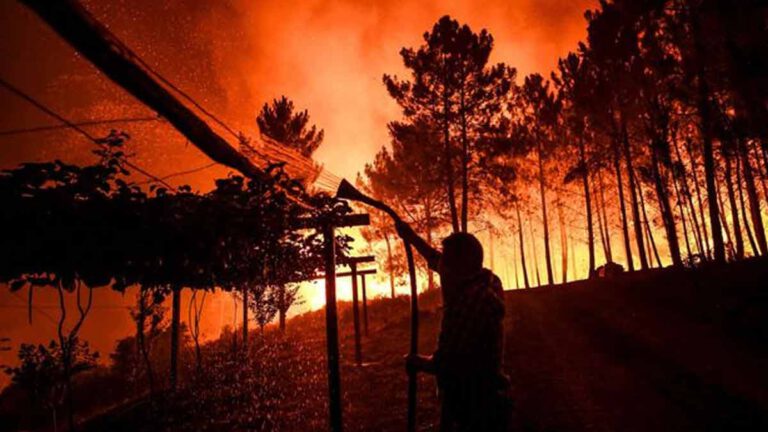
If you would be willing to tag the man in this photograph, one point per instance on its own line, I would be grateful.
(467, 362)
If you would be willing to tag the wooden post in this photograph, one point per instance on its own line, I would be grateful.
(345, 274)
(412, 382)
(245, 320)
(332, 330)
(352, 262)
(365, 306)
(356, 315)
(327, 228)
(175, 319)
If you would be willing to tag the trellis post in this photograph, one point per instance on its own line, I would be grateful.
(332, 330)
(365, 305)
(352, 262)
(175, 321)
(328, 229)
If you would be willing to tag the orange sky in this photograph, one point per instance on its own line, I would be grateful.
(232, 56)
(329, 56)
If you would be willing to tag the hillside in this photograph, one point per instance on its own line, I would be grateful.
(662, 350)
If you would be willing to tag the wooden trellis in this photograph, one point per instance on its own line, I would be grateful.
(352, 262)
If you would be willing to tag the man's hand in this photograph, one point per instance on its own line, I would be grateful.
(417, 363)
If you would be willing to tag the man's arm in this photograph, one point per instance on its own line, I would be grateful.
(429, 253)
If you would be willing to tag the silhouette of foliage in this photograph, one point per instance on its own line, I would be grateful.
(281, 123)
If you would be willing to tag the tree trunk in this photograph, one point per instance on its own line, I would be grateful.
(700, 201)
(633, 200)
(522, 246)
(682, 216)
(428, 218)
(754, 201)
(686, 192)
(652, 249)
(573, 260)
(601, 231)
(761, 169)
(705, 127)
(743, 207)
(514, 264)
(448, 167)
(535, 255)
(729, 238)
(464, 166)
(601, 196)
(563, 242)
(662, 196)
(588, 207)
(391, 266)
(734, 210)
(622, 208)
(545, 222)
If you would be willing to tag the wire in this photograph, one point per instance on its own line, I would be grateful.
(181, 173)
(71, 125)
(299, 159)
(35, 307)
(84, 123)
(274, 146)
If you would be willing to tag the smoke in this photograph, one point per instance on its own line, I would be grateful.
(329, 55)
(233, 56)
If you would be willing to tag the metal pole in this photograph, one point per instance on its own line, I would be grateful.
(414, 349)
(332, 330)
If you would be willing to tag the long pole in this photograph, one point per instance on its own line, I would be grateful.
(414, 349)
(332, 330)
(347, 191)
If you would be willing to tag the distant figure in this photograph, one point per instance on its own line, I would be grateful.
(467, 362)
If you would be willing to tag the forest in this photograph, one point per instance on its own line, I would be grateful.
(646, 145)
(640, 163)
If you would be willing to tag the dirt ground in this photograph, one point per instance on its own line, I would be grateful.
(665, 350)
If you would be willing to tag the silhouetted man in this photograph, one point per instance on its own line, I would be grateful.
(467, 362)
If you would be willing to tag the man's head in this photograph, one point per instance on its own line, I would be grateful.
(462, 256)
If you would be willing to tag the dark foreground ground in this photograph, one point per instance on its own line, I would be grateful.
(665, 350)
(661, 351)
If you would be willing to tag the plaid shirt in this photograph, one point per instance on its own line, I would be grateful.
(472, 330)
